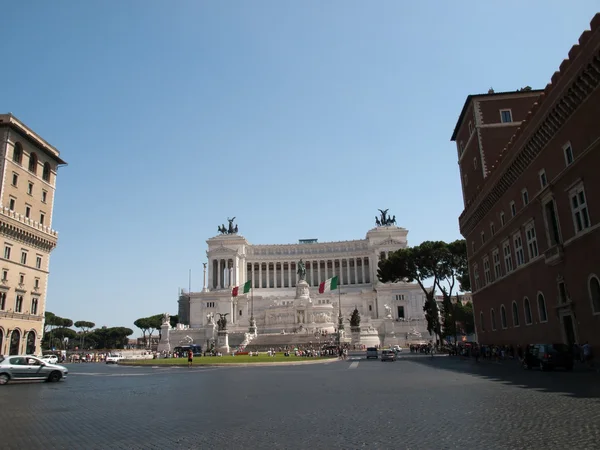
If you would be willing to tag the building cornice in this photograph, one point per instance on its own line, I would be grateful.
(569, 88)
(12, 122)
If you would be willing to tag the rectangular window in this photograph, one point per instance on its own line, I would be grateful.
(525, 197)
(568, 151)
(34, 306)
(4, 275)
(487, 273)
(11, 204)
(30, 188)
(532, 246)
(513, 209)
(7, 252)
(483, 237)
(44, 196)
(2, 301)
(19, 304)
(27, 211)
(42, 217)
(470, 127)
(23, 257)
(38, 262)
(519, 252)
(552, 223)
(581, 217)
(476, 276)
(543, 179)
(15, 179)
(399, 297)
(492, 229)
(502, 219)
(21, 279)
(496, 260)
(505, 115)
(36, 283)
(508, 262)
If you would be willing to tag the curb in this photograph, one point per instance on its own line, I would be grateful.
(257, 364)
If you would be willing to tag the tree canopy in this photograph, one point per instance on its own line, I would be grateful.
(438, 262)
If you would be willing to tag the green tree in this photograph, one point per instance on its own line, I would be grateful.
(173, 321)
(355, 319)
(144, 325)
(155, 322)
(418, 264)
(84, 326)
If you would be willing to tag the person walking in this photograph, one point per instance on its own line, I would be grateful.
(190, 357)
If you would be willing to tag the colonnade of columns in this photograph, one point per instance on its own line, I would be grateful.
(282, 274)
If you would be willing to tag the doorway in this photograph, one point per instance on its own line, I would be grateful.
(400, 312)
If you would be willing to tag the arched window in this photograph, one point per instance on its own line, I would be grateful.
(30, 350)
(503, 316)
(594, 288)
(46, 173)
(18, 153)
(481, 321)
(1, 339)
(15, 340)
(542, 311)
(33, 162)
(527, 308)
(493, 315)
(515, 314)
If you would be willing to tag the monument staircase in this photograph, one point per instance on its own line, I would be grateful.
(236, 339)
(264, 342)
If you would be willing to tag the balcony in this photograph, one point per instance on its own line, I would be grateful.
(554, 255)
(24, 220)
(22, 316)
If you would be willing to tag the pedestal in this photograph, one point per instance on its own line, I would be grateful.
(164, 344)
(223, 341)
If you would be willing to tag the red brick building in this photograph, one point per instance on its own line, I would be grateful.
(530, 168)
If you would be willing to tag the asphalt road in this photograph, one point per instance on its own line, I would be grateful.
(415, 403)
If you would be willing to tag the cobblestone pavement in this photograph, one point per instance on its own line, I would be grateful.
(417, 402)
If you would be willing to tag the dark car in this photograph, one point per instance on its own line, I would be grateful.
(548, 356)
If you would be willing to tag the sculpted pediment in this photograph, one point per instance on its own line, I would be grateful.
(391, 242)
(221, 250)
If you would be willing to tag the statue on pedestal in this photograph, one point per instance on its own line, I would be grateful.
(210, 318)
(222, 322)
(301, 271)
(166, 319)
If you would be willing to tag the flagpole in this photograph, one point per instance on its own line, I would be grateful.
(340, 318)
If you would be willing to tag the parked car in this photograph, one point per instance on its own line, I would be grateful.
(372, 353)
(388, 355)
(25, 367)
(114, 358)
(548, 356)
(397, 348)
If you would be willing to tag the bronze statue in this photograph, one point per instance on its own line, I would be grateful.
(222, 322)
(377, 222)
(385, 220)
(301, 271)
(228, 230)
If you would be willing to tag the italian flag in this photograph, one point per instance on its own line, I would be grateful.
(245, 288)
(328, 285)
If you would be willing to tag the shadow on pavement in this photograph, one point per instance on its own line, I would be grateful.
(580, 382)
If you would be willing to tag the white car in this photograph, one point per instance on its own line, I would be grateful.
(397, 348)
(50, 359)
(113, 358)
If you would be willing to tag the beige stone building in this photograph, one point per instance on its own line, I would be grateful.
(28, 166)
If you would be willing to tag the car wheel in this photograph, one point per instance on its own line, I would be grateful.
(4, 378)
(54, 376)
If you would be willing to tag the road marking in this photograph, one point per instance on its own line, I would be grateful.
(354, 365)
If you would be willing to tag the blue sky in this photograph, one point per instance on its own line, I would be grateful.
(299, 118)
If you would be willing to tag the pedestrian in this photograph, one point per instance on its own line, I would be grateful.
(190, 357)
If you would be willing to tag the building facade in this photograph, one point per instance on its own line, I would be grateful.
(273, 300)
(528, 162)
(29, 169)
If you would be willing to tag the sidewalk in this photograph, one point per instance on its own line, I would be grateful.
(515, 363)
